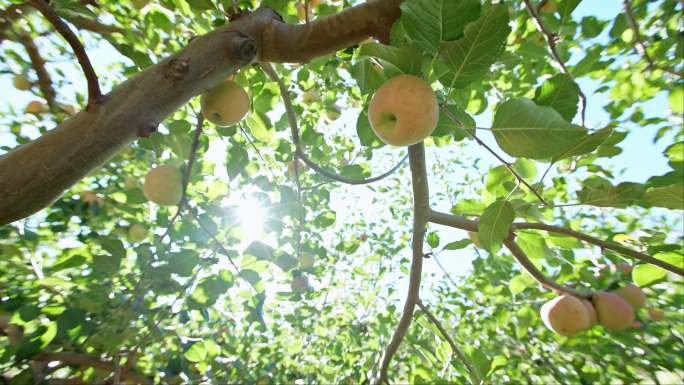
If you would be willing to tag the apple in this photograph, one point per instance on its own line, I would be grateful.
(225, 104)
(21, 83)
(403, 111)
(291, 168)
(263, 380)
(548, 6)
(591, 312)
(656, 314)
(624, 267)
(632, 294)
(565, 315)
(163, 185)
(140, 4)
(91, 198)
(310, 96)
(137, 233)
(614, 313)
(306, 261)
(300, 284)
(35, 107)
(333, 112)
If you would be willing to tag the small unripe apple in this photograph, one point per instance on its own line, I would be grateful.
(624, 267)
(310, 96)
(333, 112)
(656, 314)
(614, 313)
(140, 4)
(632, 294)
(137, 233)
(591, 312)
(35, 107)
(225, 104)
(363, 237)
(306, 261)
(565, 315)
(403, 111)
(163, 185)
(21, 83)
(637, 325)
(291, 168)
(91, 198)
(299, 284)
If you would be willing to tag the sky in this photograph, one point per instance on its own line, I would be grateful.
(637, 164)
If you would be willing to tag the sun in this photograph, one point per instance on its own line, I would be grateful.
(251, 216)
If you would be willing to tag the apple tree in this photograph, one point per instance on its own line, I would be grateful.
(201, 191)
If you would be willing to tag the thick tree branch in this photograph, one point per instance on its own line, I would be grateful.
(33, 175)
(94, 93)
(299, 152)
(461, 356)
(525, 262)
(640, 44)
(421, 207)
(85, 360)
(602, 244)
(38, 64)
(551, 39)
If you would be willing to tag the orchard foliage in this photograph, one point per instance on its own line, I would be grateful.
(190, 293)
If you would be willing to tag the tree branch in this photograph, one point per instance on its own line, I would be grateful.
(93, 25)
(525, 262)
(84, 360)
(94, 93)
(461, 356)
(602, 244)
(299, 152)
(640, 44)
(38, 64)
(65, 154)
(421, 207)
(551, 39)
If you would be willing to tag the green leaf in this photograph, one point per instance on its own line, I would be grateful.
(447, 126)
(368, 75)
(395, 60)
(495, 223)
(430, 22)
(519, 283)
(524, 129)
(433, 239)
(183, 262)
(457, 245)
(534, 245)
(671, 197)
(113, 246)
(265, 252)
(201, 5)
(259, 127)
(237, 160)
(107, 264)
(647, 274)
(469, 58)
(365, 132)
(560, 93)
(676, 100)
(597, 191)
(196, 353)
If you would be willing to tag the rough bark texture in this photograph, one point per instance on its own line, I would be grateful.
(35, 174)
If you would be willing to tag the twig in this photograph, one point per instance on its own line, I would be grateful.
(506, 164)
(94, 93)
(292, 119)
(461, 356)
(38, 64)
(602, 244)
(186, 175)
(212, 235)
(421, 207)
(551, 39)
(94, 25)
(640, 44)
(525, 262)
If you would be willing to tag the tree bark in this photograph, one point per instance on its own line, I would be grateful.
(34, 175)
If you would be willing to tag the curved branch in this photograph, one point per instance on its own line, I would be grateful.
(84, 360)
(640, 45)
(38, 64)
(525, 262)
(421, 207)
(461, 356)
(602, 244)
(551, 39)
(299, 152)
(94, 93)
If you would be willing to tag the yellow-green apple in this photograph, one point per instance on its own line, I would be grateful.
(632, 294)
(565, 315)
(591, 312)
(614, 313)
(21, 83)
(163, 185)
(403, 111)
(137, 233)
(656, 314)
(35, 107)
(306, 261)
(225, 104)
